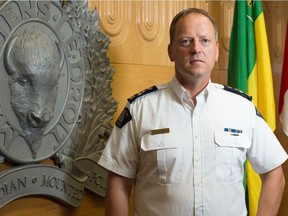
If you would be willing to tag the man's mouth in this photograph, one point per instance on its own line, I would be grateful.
(196, 61)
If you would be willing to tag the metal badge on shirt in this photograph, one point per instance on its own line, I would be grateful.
(233, 132)
(124, 117)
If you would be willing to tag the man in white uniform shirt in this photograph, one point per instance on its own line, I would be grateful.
(183, 144)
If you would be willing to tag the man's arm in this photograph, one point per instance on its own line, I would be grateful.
(118, 195)
(272, 189)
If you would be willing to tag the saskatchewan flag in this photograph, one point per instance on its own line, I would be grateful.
(249, 70)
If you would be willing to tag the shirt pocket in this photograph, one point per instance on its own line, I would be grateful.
(230, 150)
(168, 156)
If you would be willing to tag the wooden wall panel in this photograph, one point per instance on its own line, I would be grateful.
(139, 29)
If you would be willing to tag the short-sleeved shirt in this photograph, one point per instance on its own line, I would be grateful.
(186, 159)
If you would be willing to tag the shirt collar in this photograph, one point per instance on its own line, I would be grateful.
(183, 95)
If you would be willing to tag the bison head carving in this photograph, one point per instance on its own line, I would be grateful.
(33, 63)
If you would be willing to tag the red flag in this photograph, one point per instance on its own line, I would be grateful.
(283, 98)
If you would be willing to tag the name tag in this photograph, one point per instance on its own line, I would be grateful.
(160, 131)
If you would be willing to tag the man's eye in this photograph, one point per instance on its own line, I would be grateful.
(205, 41)
(186, 42)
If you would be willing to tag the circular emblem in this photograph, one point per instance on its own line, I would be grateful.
(41, 87)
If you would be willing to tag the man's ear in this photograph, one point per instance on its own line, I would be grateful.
(217, 52)
(170, 53)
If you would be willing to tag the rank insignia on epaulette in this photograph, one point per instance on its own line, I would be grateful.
(237, 91)
(144, 92)
(124, 117)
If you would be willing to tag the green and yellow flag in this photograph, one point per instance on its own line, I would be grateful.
(249, 69)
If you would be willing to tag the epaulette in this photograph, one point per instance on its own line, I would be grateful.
(125, 115)
(237, 91)
(142, 93)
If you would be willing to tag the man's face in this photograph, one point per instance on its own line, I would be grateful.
(194, 49)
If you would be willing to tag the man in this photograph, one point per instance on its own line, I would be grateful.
(184, 143)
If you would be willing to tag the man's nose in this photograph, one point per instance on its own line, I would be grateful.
(195, 47)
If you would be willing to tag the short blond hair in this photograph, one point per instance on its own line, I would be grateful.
(185, 12)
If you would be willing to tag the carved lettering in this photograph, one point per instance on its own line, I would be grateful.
(70, 113)
(76, 74)
(97, 179)
(76, 93)
(12, 14)
(12, 186)
(64, 29)
(59, 184)
(5, 29)
(44, 8)
(74, 53)
(28, 9)
(9, 135)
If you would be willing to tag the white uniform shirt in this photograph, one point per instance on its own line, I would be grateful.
(189, 160)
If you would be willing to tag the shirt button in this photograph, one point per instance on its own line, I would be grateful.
(197, 211)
